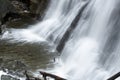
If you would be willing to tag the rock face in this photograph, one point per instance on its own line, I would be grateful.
(38, 7)
(5, 7)
(20, 12)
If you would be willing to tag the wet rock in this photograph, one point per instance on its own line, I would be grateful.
(18, 13)
(27, 3)
(7, 11)
(5, 7)
(7, 77)
(10, 16)
(13, 67)
(38, 7)
(20, 6)
(10, 10)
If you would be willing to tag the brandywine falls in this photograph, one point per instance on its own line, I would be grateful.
(74, 40)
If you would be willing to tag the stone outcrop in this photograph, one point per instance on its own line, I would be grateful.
(5, 7)
(17, 13)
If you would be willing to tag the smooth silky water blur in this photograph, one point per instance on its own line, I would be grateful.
(92, 51)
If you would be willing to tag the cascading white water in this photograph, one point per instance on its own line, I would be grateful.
(92, 51)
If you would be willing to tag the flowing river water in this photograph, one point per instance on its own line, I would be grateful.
(92, 49)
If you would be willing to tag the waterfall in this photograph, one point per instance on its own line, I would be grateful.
(91, 51)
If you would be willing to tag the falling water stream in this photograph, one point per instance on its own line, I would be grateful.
(92, 50)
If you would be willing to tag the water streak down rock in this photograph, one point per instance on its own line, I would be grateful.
(70, 29)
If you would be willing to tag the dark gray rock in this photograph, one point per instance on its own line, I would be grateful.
(20, 13)
(7, 77)
(39, 7)
(5, 7)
